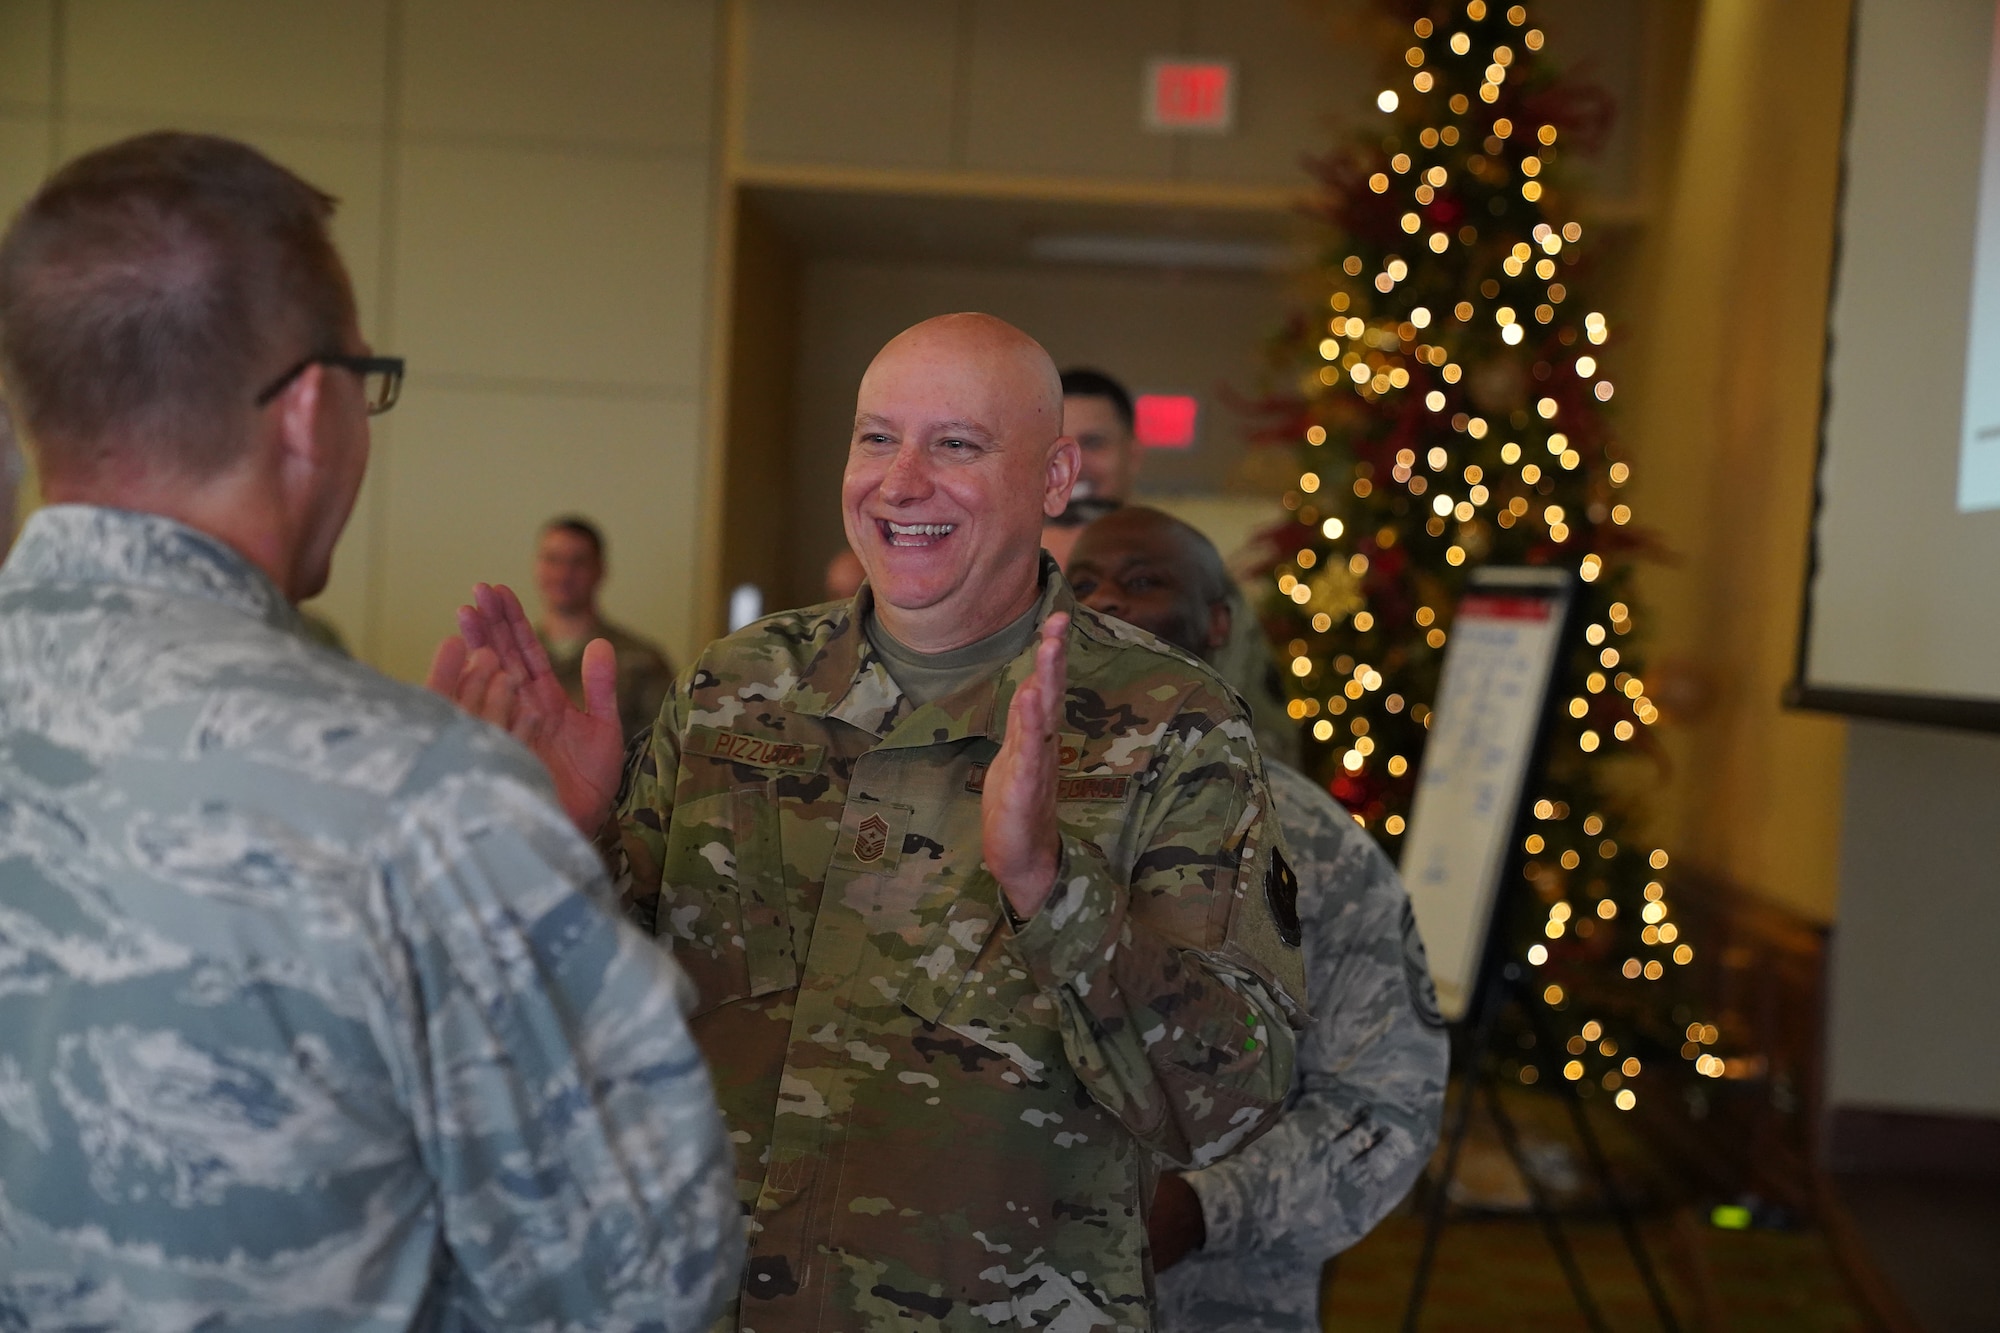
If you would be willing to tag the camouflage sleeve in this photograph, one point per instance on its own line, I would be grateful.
(1175, 993)
(652, 681)
(1371, 1068)
(634, 841)
(556, 1097)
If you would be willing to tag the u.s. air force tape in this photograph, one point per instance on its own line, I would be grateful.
(1281, 890)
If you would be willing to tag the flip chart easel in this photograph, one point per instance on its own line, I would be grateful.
(1485, 729)
(1461, 864)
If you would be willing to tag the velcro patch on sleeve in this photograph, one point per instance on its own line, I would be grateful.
(1281, 890)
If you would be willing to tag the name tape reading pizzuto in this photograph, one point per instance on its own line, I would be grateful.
(738, 747)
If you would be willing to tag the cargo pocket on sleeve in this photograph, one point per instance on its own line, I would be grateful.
(723, 906)
(762, 889)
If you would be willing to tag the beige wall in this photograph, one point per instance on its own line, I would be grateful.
(525, 205)
(1038, 87)
(1724, 434)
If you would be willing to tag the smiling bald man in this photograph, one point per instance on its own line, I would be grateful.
(982, 891)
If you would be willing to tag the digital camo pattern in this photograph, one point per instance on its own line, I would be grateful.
(303, 1021)
(944, 1123)
(1367, 1096)
(644, 674)
(1245, 661)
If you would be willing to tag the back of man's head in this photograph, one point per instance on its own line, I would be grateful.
(146, 293)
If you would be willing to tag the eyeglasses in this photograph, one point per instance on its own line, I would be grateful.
(381, 378)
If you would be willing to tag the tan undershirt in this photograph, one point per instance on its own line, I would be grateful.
(928, 677)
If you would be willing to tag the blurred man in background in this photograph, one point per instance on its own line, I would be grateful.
(1098, 415)
(844, 575)
(1242, 1242)
(980, 890)
(569, 569)
(313, 1010)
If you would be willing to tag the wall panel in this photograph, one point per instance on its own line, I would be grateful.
(24, 159)
(294, 62)
(27, 54)
(640, 73)
(543, 265)
(867, 83)
(1054, 87)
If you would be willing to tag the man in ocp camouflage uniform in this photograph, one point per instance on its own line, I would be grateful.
(569, 569)
(315, 1010)
(1369, 1087)
(980, 890)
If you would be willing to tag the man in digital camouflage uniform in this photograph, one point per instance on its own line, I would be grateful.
(980, 890)
(569, 569)
(315, 1010)
(1369, 1086)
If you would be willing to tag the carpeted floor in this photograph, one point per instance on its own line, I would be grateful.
(1499, 1273)
(1495, 1269)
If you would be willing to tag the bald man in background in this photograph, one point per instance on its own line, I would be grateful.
(1243, 1241)
(981, 891)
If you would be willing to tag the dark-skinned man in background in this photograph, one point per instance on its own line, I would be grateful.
(980, 889)
(1243, 1241)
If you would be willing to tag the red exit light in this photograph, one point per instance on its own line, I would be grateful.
(1191, 95)
(1164, 420)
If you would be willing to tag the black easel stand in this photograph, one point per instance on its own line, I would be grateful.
(1505, 984)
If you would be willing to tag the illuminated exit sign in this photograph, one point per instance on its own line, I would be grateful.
(1164, 420)
(1191, 95)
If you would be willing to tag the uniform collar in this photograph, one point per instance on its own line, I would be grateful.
(848, 680)
(72, 543)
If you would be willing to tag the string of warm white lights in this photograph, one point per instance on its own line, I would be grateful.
(1452, 415)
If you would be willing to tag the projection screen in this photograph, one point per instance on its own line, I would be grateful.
(1902, 610)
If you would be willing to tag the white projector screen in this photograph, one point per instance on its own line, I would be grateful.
(1902, 615)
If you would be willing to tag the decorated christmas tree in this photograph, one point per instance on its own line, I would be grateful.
(1451, 409)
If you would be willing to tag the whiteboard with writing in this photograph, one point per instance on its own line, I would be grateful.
(1494, 687)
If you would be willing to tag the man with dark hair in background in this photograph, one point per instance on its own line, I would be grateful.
(569, 568)
(979, 888)
(1098, 412)
(1242, 1242)
(1098, 415)
(313, 1009)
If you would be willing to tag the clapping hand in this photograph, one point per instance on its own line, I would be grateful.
(495, 669)
(1021, 841)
